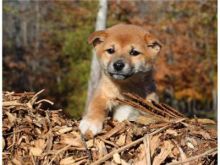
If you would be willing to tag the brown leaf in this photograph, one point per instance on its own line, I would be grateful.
(67, 161)
(116, 158)
(101, 148)
(146, 120)
(154, 143)
(36, 151)
(121, 140)
(116, 129)
(165, 151)
(16, 161)
(90, 143)
(202, 133)
(123, 162)
(204, 121)
(71, 140)
(171, 132)
(3, 143)
(11, 117)
(40, 143)
(141, 157)
(64, 129)
(39, 147)
(182, 155)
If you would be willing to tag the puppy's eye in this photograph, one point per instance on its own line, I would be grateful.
(110, 50)
(154, 44)
(134, 52)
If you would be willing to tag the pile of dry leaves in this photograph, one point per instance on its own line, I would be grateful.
(33, 135)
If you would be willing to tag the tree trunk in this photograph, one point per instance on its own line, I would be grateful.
(95, 67)
(215, 102)
(37, 10)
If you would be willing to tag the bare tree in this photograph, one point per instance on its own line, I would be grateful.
(95, 67)
(37, 27)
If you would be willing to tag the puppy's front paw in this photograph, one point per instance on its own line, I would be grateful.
(88, 126)
(125, 112)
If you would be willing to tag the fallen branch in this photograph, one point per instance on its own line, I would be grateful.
(108, 156)
(209, 152)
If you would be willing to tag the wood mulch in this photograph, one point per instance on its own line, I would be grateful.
(39, 136)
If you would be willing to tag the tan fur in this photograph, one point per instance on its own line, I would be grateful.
(123, 38)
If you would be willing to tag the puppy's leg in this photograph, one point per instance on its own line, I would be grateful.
(94, 118)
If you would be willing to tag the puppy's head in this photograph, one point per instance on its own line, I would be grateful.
(125, 50)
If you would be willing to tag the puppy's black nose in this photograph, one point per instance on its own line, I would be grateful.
(119, 65)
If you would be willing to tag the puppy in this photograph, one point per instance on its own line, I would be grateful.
(126, 54)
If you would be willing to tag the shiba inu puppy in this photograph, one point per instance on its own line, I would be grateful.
(126, 54)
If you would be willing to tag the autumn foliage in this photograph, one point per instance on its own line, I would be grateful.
(45, 46)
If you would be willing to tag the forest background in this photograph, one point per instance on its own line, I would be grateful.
(45, 47)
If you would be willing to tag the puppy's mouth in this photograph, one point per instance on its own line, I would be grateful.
(119, 76)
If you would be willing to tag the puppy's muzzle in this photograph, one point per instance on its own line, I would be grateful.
(119, 69)
(118, 65)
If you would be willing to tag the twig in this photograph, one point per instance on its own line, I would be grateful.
(12, 103)
(44, 100)
(81, 158)
(141, 108)
(113, 131)
(148, 105)
(38, 93)
(160, 129)
(13, 132)
(59, 151)
(8, 93)
(211, 151)
(34, 98)
(32, 159)
(85, 145)
(147, 149)
(168, 110)
(13, 142)
(19, 93)
(182, 154)
(109, 155)
(170, 113)
(155, 107)
(81, 162)
(108, 142)
(173, 110)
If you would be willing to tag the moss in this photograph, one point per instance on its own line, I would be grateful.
(78, 52)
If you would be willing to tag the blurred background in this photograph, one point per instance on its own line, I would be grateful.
(45, 47)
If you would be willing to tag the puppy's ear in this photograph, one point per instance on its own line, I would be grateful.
(153, 44)
(97, 37)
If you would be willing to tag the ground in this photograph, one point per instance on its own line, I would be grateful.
(35, 135)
